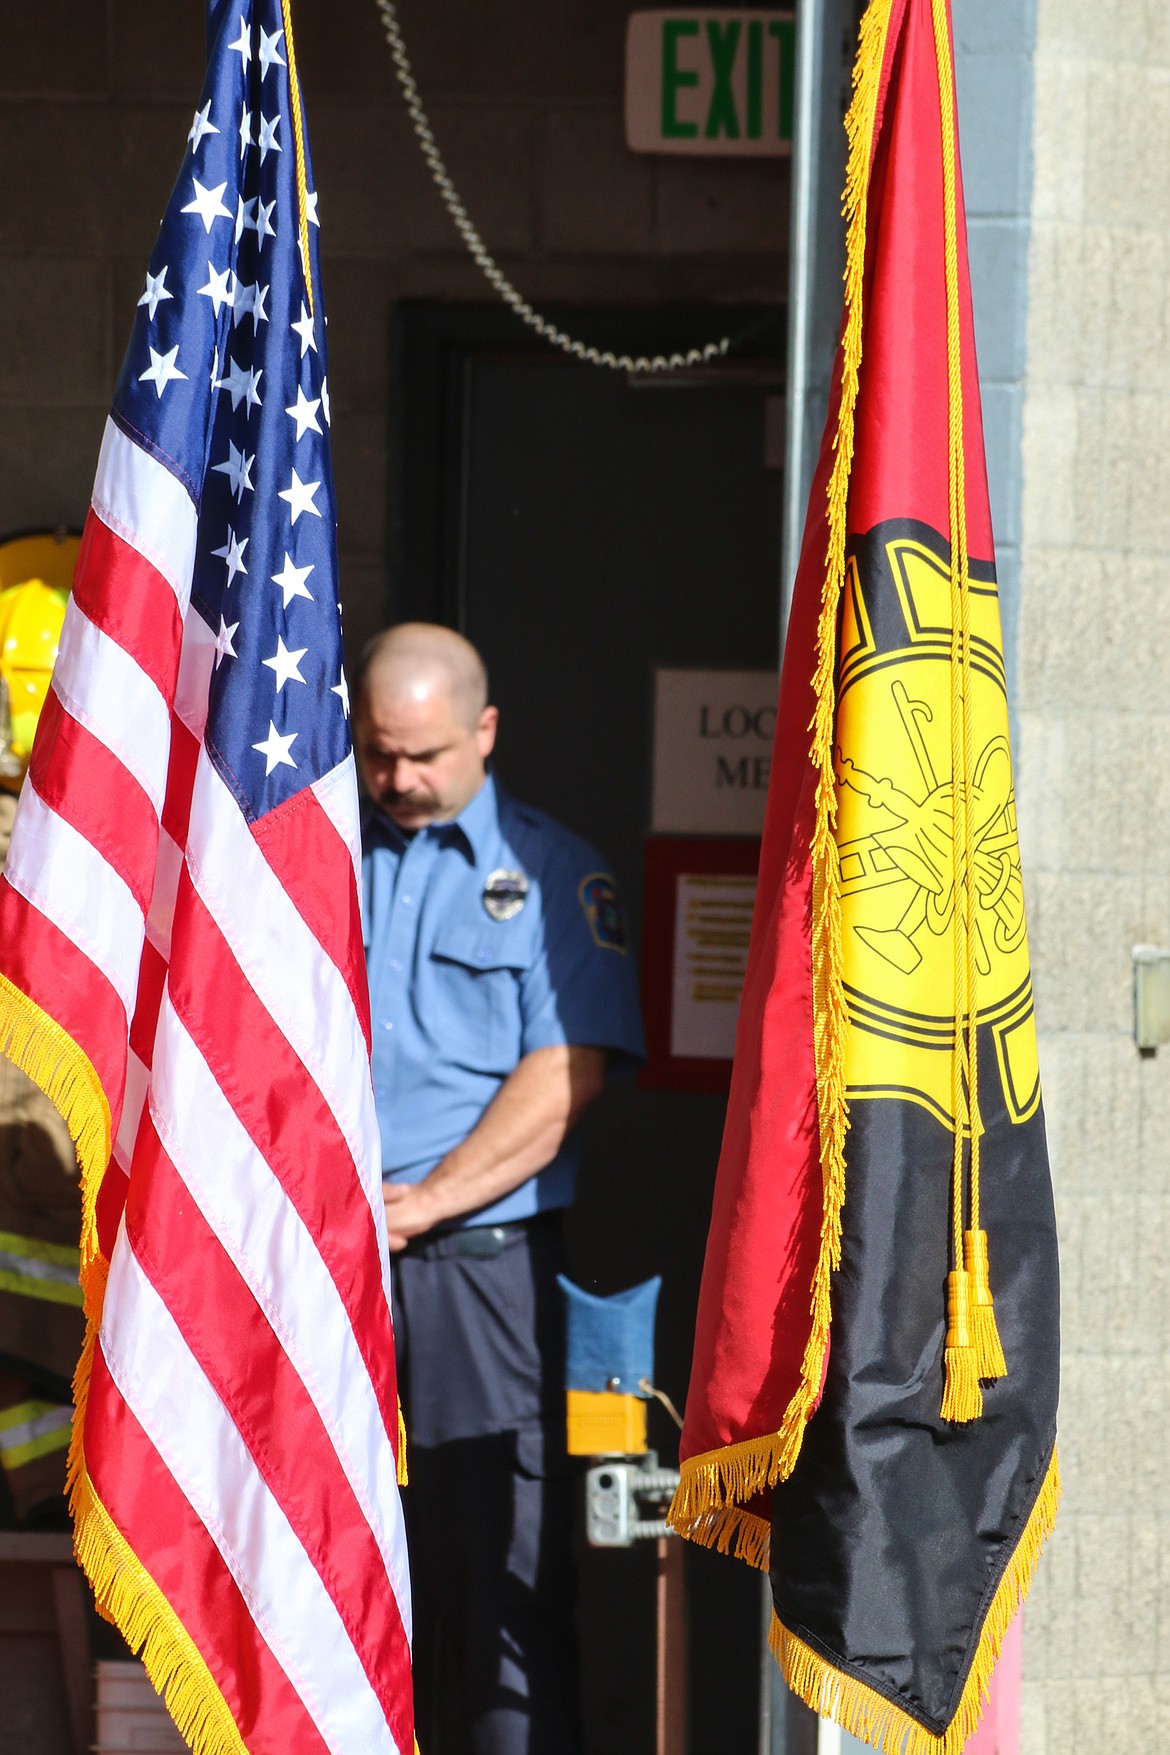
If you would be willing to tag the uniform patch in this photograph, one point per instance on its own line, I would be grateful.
(505, 893)
(603, 911)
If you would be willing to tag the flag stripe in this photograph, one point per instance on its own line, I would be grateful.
(133, 1103)
(129, 600)
(184, 764)
(61, 978)
(156, 1374)
(109, 693)
(151, 980)
(55, 868)
(320, 888)
(76, 777)
(140, 500)
(162, 902)
(258, 1370)
(270, 1092)
(252, 1216)
(196, 664)
(143, 1499)
(337, 794)
(301, 992)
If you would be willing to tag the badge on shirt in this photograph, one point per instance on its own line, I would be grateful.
(505, 893)
(603, 911)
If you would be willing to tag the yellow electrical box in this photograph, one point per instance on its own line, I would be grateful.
(605, 1424)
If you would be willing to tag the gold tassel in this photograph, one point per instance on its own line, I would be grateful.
(985, 1333)
(962, 1396)
(403, 1471)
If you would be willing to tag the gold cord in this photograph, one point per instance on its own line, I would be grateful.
(299, 137)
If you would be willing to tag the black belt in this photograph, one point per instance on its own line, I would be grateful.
(477, 1242)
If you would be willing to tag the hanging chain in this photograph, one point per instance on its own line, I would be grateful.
(485, 261)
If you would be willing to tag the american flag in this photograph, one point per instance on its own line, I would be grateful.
(182, 970)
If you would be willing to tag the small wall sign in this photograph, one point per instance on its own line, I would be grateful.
(714, 83)
(713, 733)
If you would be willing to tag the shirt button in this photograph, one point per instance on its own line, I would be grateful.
(408, 901)
(387, 1026)
(395, 964)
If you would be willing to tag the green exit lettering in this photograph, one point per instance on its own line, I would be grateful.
(726, 42)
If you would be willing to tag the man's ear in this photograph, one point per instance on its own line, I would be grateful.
(485, 731)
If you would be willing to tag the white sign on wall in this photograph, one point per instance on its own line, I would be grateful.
(713, 734)
(712, 931)
(715, 83)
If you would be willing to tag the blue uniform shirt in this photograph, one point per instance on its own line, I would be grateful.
(486, 938)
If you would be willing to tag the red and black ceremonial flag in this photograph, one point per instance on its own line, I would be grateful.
(862, 1419)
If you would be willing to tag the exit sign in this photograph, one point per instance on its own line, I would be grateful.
(714, 83)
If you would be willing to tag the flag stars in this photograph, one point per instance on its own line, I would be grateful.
(243, 43)
(238, 469)
(304, 328)
(275, 750)
(299, 495)
(242, 384)
(270, 55)
(233, 553)
(341, 690)
(264, 226)
(247, 137)
(245, 217)
(325, 408)
(268, 141)
(162, 370)
(207, 203)
(292, 580)
(304, 412)
(218, 288)
(250, 303)
(223, 641)
(285, 664)
(311, 207)
(200, 126)
(156, 291)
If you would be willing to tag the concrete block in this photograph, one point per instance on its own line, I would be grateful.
(994, 27)
(1002, 428)
(1108, 30)
(1128, 114)
(596, 194)
(1048, 465)
(1060, 143)
(88, 179)
(1101, 1611)
(998, 251)
(47, 462)
(1040, 813)
(1093, 1108)
(377, 197)
(53, 319)
(995, 125)
(723, 204)
(1087, 925)
(1033, 1718)
(58, 50)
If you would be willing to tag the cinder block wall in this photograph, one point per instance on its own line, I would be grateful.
(95, 100)
(1094, 780)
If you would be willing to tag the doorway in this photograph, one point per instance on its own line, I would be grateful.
(581, 530)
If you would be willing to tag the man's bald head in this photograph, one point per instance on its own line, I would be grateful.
(424, 729)
(417, 658)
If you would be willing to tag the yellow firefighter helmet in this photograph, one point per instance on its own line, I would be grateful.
(31, 617)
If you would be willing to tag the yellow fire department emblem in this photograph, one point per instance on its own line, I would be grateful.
(896, 803)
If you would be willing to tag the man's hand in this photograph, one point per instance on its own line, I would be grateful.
(411, 1210)
(521, 1130)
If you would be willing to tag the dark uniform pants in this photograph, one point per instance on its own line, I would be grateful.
(489, 1507)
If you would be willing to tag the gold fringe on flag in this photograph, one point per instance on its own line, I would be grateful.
(708, 1505)
(868, 1715)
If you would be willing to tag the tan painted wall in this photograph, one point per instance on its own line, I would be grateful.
(1094, 743)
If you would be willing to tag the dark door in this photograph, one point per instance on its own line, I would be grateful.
(582, 530)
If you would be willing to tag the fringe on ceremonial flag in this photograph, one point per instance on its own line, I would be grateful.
(708, 1507)
(868, 1715)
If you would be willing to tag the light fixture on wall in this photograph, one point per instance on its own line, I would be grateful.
(1151, 998)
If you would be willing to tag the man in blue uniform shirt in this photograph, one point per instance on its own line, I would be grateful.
(502, 991)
